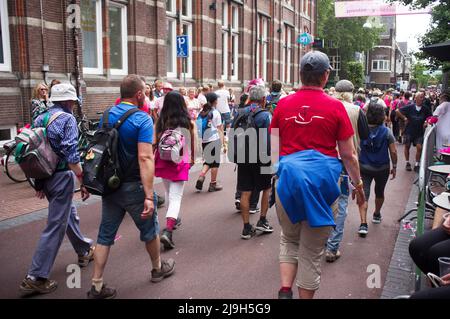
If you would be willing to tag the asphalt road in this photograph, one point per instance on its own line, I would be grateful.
(212, 262)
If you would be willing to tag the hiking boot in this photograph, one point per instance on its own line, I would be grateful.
(215, 187)
(167, 269)
(160, 201)
(408, 167)
(285, 294)
(237, 203)
(83, 261)
(263, 225)
(363, 230)
(178, 224)
(38, 286)
(376, 219)
(248, 232)
(166, 240)
(255, 210)
(200, 181)
(331, 257)
(105, 293)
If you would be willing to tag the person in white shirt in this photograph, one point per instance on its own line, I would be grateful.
(202, 96)
(442, 112)
(223, 104)
(193, 104)
(167, 87)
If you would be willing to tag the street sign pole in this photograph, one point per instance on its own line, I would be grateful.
(184, 73)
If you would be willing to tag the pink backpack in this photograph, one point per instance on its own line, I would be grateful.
(171, 145)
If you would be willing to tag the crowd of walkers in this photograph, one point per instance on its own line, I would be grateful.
(331, 144)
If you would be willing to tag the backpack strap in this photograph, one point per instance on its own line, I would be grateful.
(105, 118)
(49, 120)
(125, 117)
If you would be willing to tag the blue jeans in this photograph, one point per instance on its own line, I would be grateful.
(129, 198)
(334, 241)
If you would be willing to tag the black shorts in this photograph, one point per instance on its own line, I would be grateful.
(251, 179)
(211, 153)
(417, 140)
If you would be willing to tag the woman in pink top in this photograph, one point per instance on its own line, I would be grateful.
(174, 115)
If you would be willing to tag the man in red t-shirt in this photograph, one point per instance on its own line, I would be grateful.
(311, 120)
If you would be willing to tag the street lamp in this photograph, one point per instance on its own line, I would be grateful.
(367, 26)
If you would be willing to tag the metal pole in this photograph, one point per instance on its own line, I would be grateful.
(185, 69)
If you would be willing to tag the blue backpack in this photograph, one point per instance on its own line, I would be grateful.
(204, 123)
(375, 149)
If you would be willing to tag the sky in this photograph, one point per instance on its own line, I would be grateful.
(411, 27)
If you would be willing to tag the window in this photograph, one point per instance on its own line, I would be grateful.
(179, 26)
(5, 51)
(335, 62)
(118, 39)
(263, 47)
(287, 54)
(230, 41)
(225, 32)
(235, 43)
(91, 26)
(171, 48)
(381, 65)
(7, 133)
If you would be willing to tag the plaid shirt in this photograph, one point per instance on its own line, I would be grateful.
(62, 134)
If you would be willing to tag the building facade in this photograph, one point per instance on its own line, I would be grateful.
(94, 43)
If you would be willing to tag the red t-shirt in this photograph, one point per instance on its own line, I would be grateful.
(311, 120)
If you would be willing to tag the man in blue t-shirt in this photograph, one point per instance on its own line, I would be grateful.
(136, 195)
(414, 115)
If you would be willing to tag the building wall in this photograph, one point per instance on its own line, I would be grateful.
(33, 46)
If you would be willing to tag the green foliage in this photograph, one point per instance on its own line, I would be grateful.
(347, 34)
(355, 72)
(423, 80)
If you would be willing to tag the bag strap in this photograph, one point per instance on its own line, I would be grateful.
(105, 118)
(125, 117)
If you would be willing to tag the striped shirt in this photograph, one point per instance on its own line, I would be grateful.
(62, 134)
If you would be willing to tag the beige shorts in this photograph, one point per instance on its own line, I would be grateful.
(304, 246)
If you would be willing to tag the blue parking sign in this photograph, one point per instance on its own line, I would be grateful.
(182, 46)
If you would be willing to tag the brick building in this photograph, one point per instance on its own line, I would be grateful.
(233, 40)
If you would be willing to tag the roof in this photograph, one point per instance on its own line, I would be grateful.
(441, 51)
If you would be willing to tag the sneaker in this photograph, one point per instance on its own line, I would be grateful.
(38, 286)
(417, 167)
(363, 230)
(215, 187)
(178, 224)
(376, 219)
(263, 225)
(83, 261)
(237, 203)
(285, 294)
(167, 269)
(408, 167)
(200, 181)
(255, 210)
(331, 257)
(105, 293)
(166, 240)
(160, 201)
(248, 232)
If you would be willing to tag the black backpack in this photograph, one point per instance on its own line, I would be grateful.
(240, 146)
(102, 174)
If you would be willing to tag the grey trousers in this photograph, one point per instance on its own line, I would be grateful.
(62, 219)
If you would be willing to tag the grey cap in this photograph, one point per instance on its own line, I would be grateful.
(315, 61)
(344, 86)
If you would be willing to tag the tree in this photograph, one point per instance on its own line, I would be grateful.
(355, 73)
(347, 34)
(421, 73)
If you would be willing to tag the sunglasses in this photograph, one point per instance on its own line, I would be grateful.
(44, 90)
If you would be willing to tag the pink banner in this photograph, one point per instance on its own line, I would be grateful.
(347, 9)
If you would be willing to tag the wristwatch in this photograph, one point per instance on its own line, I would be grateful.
(359, 184)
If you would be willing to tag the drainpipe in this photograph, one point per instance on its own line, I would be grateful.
(45, 67)
(255, 7)
(77, 72)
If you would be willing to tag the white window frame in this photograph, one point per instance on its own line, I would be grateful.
(235, 40)
(189, 6)
(225, 32)
(190, 59)
(99, 69)
(263, 46)
(335, 62)
(385, 66)
(12, 130)
(6, 65)
(173, 73)
(124, 70)
(174, 7)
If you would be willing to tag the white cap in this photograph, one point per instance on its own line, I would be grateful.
(63, 92)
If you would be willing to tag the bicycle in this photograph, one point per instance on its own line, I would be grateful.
(11, 167)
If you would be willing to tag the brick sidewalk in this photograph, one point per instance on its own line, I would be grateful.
(17, 199)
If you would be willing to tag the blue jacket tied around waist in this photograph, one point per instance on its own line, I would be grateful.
(308, 186)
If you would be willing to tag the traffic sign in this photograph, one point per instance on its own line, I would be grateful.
(305, 39)
(182, 46)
